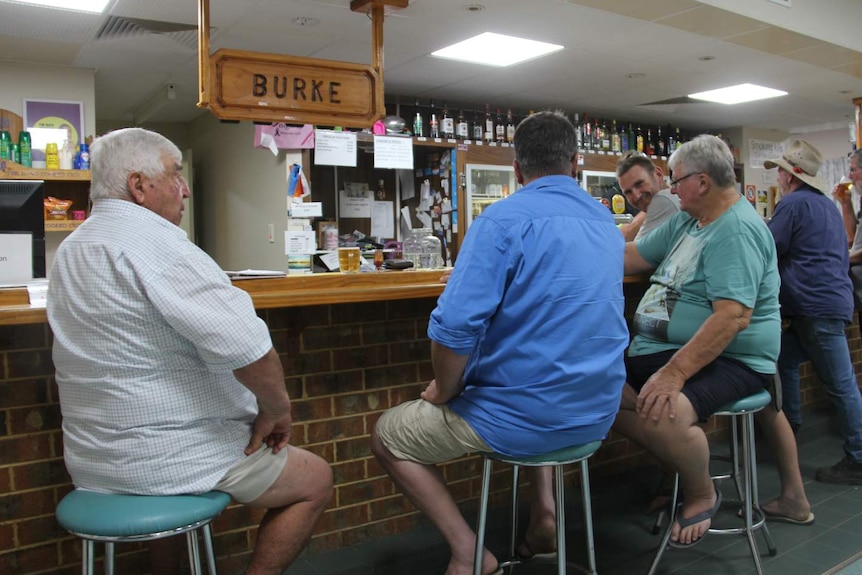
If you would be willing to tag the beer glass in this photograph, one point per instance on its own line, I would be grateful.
(348, 260)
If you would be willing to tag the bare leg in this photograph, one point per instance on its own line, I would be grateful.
(542, 529)
(425, 488)
(681, 444)
(295, 503)
(792, 502)
(166, 555)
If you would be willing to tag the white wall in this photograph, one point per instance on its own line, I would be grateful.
(239, 191)
(37, 82)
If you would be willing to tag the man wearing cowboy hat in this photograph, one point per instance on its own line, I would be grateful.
(816, 299)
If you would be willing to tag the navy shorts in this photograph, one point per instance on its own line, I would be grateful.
(720, 382)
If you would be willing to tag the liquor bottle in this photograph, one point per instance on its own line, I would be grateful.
(510, 126)
(433, 124)
(606, 137)
(671, 141)
(477, 127)
(649, 145)
(616, 143)
(624, 138)
(640, 139)
(488, 135)
(447, 124)
(633, 140)
(588, 133)
(418, 121)
(678, 138)
(499, 128)
(579, 133)
(462, 131)
(660, 145)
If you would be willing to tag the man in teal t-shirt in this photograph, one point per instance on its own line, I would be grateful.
(707, 330)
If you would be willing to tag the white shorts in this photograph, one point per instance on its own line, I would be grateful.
(253, 475)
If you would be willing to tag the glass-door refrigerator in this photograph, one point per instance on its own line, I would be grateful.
(486, 184)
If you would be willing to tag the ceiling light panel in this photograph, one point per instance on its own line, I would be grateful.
(499, 50)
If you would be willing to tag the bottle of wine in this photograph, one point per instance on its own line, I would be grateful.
(499, 128)
(462, 131)
(447, 124)
(418, 121)
(488, 135)
(510, 126)
(477, 127)
(433, 124)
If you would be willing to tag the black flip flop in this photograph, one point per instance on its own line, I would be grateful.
(697, 518)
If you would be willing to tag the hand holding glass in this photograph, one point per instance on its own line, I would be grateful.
(842, 189)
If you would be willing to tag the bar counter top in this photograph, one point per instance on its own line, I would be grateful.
(289, 291)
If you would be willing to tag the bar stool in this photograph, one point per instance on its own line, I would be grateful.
(113, 519)
(741, 411)
(556, 459)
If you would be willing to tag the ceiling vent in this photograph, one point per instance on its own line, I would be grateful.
(119, 27)
(673, 104)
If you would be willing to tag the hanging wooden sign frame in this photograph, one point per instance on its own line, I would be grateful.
(243, 85)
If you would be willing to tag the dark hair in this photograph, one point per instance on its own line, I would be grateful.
(634, 158)
(545, 145)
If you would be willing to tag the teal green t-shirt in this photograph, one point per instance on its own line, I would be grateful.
(732, 258)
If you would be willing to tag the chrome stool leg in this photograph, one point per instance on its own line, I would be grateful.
(109, 558)
(483, 515)
(588, 516)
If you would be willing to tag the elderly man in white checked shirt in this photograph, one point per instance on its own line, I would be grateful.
(168, 380)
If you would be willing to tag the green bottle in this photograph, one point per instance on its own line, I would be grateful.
(5, 145)
(25, 149)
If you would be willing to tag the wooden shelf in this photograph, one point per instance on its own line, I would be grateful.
(62, 225)
(12, 171)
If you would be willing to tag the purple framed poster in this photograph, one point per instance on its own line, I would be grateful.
(67, 118)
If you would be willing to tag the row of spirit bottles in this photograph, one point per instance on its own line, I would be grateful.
(467, 125)
(596, 135)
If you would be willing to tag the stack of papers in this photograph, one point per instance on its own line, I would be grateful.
(248, 274)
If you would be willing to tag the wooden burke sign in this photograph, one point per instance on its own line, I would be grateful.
(274, 88)
(239, 85)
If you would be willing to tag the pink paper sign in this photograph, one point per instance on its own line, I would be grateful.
(285, 137)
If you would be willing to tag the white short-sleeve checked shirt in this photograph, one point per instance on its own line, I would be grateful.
(147, 332)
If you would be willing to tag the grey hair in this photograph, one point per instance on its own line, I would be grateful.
(634, 158)
(707, 154)
(119, 153)
(545, 144)
(857, 155)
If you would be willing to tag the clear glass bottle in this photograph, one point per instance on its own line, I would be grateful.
(431, 250)
(412, 247)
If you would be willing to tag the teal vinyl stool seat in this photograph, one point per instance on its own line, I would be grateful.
(556, 459)
(743, 472)
(111, 518)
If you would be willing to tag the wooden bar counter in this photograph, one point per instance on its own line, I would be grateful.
(351, 346)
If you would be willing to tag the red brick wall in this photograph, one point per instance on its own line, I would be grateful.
(344, 365)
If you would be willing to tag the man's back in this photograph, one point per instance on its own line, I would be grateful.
(536, 299)
(146, 387)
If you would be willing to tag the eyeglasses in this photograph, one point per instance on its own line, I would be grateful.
(675, 183)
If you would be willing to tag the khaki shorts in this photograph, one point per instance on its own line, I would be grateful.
(253, 475)
(427, 433)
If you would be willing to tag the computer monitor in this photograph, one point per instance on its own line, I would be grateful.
(22, 210)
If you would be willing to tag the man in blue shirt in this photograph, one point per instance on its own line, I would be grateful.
(527, 342)
(816, 300)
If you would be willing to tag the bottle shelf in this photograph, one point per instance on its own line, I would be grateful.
(62, 225)
(11, 170)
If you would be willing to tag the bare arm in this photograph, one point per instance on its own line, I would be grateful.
(728, 319)
(634, 262)
(448, 371)
(631, 229)
(265, 379)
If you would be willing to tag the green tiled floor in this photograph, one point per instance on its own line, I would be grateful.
(625, 545)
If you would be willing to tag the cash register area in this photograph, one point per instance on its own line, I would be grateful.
(624, 542)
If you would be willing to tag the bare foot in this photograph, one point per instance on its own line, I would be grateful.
(456, 567)
(691, 533)
(795, 510)
(541, 537)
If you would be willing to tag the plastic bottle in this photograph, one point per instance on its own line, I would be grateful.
(52, 156)
(14, 153)
(85, 156)
(5, 145)
(67, 155)
(24, 146)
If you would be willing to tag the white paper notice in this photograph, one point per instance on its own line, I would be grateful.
(382, 222)
(761, 150)
(334, 148)
(330, 260)
(306, 209)
(300, 243)
(393, 152)
(349, 207)
(408, 185)
(424, 218)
